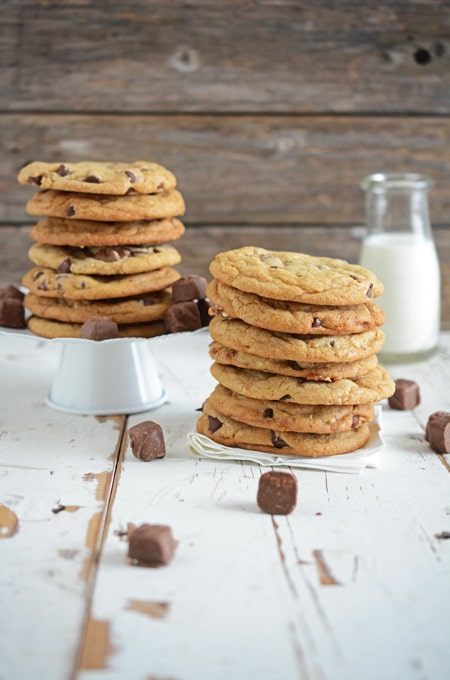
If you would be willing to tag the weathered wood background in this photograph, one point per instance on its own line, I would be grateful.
(269, 113)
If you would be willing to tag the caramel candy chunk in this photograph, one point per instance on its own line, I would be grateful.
(437, 432)
(190, 287)
(406, 395)
(99, 328)
(277, 492)
(182, 316)
(12, 312)
(151, 544)
(147, 440)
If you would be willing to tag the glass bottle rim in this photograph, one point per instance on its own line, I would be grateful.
(397, 180)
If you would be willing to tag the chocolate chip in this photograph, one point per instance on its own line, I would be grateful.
(277, 492)
(111, 254)
(190, 287)
(406, 395)
(35, 180)
(93, 179)
(147, 301)
(63, 171)
(355, 421)
(285, 397)
(147, 440)
(131, 176)
(437, 431)
(331, 343)
(64, 266)
(12, 313)
(277, 442)
(370, 291)
(182, 316)
(37, 276)
(294, 365)
(99, 328)
(214, 424)
(151, 544)
(70, 212)
(43, 285)
(268, 413)
(316, 323)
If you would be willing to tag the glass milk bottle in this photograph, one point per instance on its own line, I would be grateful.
(400, 250)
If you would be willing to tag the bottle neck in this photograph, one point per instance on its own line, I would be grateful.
(394, 206)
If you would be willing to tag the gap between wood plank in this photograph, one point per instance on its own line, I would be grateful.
(86, 651)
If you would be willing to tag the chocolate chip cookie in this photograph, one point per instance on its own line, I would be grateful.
(293, 317)
(48, 328)
(47, 282)
(304, 369)
(229, 432)
(287, 416)
(83, 233)
(104, 260)
(374, 386)
(96, 177)
(296, 277)
(242, 336)
(145, 307)
(98, 207)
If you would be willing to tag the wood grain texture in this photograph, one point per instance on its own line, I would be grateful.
(241, 169)
(199, 245)
(284, 56)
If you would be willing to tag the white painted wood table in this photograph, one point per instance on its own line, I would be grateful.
(354, 584)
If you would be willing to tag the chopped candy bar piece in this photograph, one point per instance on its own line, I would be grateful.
(406, 395)
(147, 440)
(277, 492)
(438, 431)
(151, 544)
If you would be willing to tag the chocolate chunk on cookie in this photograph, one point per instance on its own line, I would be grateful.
(277, 492)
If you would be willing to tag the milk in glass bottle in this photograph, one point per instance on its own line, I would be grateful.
(400, 250)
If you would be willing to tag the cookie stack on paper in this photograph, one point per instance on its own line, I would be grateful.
(104, 246)
(295, 342)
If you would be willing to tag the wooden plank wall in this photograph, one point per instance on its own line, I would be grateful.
(269, 112)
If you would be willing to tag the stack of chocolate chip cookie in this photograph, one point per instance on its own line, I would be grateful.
(103, 247)
(295, 342)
